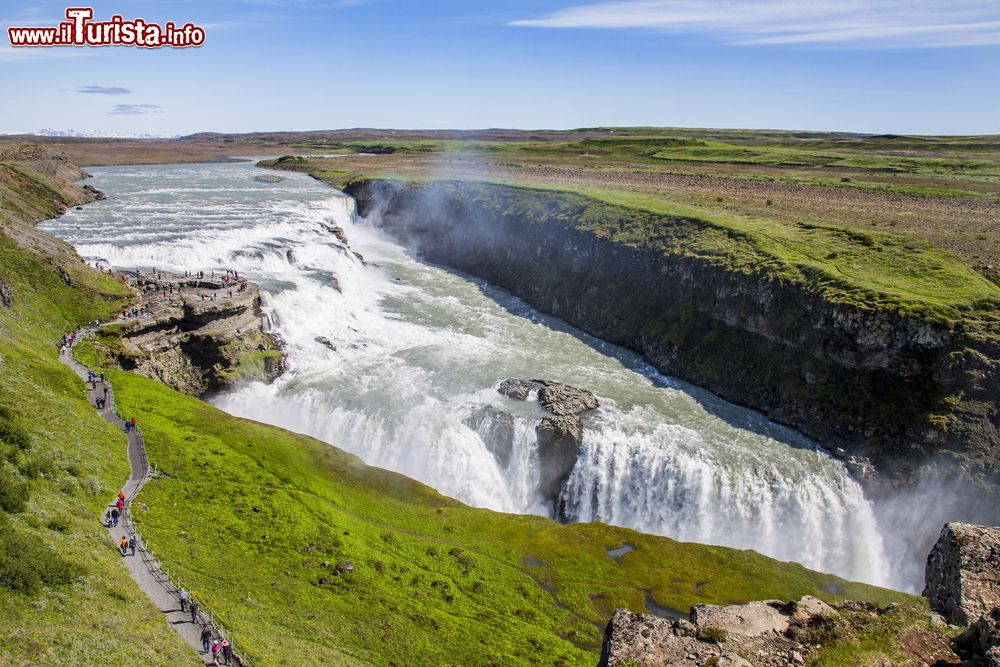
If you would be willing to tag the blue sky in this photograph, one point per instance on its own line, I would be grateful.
(869, 66)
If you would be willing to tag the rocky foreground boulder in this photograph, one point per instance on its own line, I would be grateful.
(962, 579)
(763, 631)
(6, 293)
(559, 435)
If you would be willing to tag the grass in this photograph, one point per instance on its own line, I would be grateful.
(871, 638)
(68, 600)
(246, 514)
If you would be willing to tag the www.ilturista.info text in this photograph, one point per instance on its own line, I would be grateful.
(80, 30)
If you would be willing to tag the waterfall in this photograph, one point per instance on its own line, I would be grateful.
(413, 352)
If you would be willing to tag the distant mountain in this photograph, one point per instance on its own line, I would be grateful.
(97, 134)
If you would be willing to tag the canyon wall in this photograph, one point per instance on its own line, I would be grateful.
(871, 384)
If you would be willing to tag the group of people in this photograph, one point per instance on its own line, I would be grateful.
(219, 650)
(130, 424)
(116, 512)
(67, 341)
(125, 544)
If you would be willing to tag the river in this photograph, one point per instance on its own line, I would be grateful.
(420, 350)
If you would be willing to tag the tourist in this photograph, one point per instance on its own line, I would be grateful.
(194, 610)
(123, 545)
(131, 544)
(227, 651)
(184, 597)
(121, 495)
(114, 516)
(133, 423)
(206, 638)
(216, 652)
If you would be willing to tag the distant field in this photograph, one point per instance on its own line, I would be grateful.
(943, 190)
(915, 219)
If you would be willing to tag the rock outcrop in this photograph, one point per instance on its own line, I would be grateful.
(757, 634)
(962, 580)
(559, 435)
(193, 336)
(6, 293)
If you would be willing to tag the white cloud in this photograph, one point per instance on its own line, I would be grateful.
(135, 109)
(103, 90)
(892, 23)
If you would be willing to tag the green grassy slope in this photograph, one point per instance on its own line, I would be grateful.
(246, 514)
(72, 602)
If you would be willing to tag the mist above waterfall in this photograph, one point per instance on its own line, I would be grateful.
(418, 351)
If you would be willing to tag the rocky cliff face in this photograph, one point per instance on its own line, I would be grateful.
(193, 336)
(866, 382)
(963, 572)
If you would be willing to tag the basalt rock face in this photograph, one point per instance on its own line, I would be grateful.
(874, 382)
(559, 435)
(196, 338)
(963, 573)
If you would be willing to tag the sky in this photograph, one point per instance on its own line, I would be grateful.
(879, 66)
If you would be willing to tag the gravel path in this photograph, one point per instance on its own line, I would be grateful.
(143, 568)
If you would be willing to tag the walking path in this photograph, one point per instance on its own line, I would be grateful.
(142, 566)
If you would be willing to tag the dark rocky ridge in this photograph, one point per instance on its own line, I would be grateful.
(867, 382)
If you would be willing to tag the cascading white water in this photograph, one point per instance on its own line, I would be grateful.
(419, 350)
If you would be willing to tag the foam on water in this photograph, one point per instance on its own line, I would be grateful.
(420, 350)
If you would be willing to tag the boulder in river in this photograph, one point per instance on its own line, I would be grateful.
(323, 340)
(559, 436)
(562, 399)
(268, 178)
(962, 579)
(518, 389)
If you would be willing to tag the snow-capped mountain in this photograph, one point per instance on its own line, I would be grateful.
(97, 134)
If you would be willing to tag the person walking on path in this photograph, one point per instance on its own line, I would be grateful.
(227, 651)
(216, 652)
(194, 610)
(206, 638)
(131, 544)
(123, 546)
(114, 516)
(133, 423)
(184, 597)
